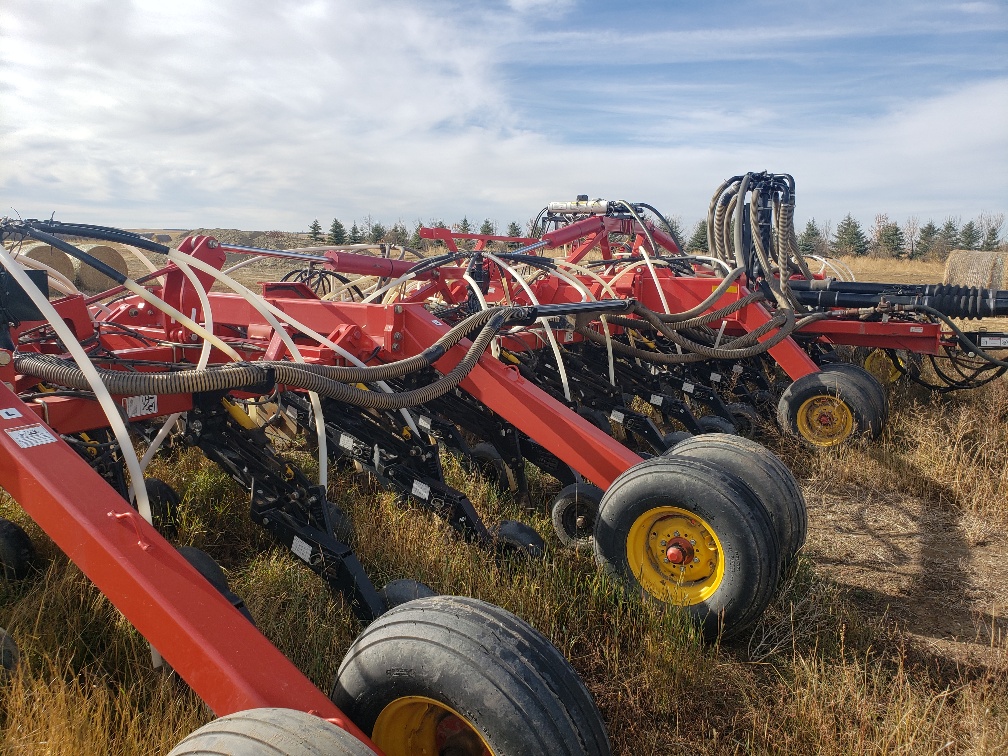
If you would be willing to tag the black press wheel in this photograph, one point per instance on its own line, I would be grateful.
(17, 554)
(574, 511)
(827, 408)
(10, 656)
(453, 675)
(207, 566)
(517, 538)
(164, 504)
(745, 418)
(488, 462)
(674, 437)
(716, 424)
(400, 591)
(271, 732)
(768, 477)
(688, 533)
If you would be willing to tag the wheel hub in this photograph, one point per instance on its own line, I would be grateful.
(680, 551)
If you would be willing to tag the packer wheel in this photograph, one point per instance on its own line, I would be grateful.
(690, 534)
(488, 462)
(207, 566)
(827, 408)
(515, 537)
(574, 511)
(17, 554)
(452, 675)
(271, 732)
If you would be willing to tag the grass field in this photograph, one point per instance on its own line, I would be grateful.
(890, 637)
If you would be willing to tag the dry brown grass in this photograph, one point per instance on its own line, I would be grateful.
(889, 638)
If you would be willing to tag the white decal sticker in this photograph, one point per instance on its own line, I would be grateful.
(656, 400)
(9, 413)
(916, 329)
(716, 377)
(301, 549)
(425, 422)
(994, 341)
(28, 436)
(138, 406)
(738, 369)
(688, 388)
(437, 322)
(616, 416)
(346, 442)
(421, 490)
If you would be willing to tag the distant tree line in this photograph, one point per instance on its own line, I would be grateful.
(370, 231)
(887, 238)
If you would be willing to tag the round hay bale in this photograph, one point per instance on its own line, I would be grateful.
(986, 270)
(56, 259)
(91, 280)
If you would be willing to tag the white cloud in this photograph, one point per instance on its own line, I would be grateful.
(266, 115)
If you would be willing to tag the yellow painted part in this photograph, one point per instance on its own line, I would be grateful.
(408, 727)
(880, 364)
(239, 415)
(825, 420)
(683, 585)
(508, 357)
(729, 290)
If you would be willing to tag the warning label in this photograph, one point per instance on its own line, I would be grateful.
(28, 436)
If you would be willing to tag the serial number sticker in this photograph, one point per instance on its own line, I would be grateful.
(737, 369)
(656, 400)
(301, 549)
(9, 413)
(916, 329)
(421, 490)
(138, 406)
(437, 322)
(688, 388)
(425, 422)
(616, 416)
(28, 436)
(994, 341)
(568, 337)
(346, 441)
(715, 377)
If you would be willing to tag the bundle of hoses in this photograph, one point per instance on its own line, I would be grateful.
(326, 380)
(748, 345)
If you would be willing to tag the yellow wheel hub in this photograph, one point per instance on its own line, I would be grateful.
(420, 726)
(675, 555)
(880, 364)
(825, 420)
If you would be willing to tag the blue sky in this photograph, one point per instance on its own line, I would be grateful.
(264, 115)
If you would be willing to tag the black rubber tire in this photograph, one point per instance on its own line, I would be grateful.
(574, 511)
(510, 683)
(716, 424)
(17, 553)
(10, 656)
(400, 591)
(868, 382)
(768, 477)
(271, 732)
(746, 419)
(164, 504)
(839, 385)
(675, 437)
(517, 538)
(487, 461)
(207, 566)
(737, 517)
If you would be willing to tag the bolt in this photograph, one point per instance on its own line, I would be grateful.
(213, 244)
(193, 337)
(397, 336)
(692, 542)
(676, 534)
(265, 520)
(398, 309)
(696, 560)
(663, 543)
(395, 347)
(5, 357)
(133, 312)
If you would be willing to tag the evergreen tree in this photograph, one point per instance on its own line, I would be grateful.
(949, 235)
(849, 238)
(926, 240)
(398, 234)
(356, 237)
(810, 240)
(969, 236)
(377, 233)
(464, 226)
(891, 241)
(990, 228)
(337, 234)
(513, 229)
(416, 241)
(315, 231)
(675, 225)
(698, 240)
(488, 228)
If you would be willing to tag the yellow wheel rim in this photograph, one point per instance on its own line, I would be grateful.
(675, 556)
(880, 364)
(825, 420)
(421, 726)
